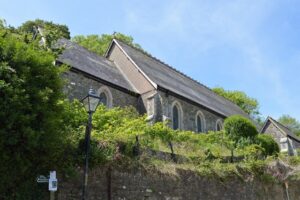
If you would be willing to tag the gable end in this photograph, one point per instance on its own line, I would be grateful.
(125, 63)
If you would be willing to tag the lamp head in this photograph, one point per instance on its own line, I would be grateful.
(91, 101)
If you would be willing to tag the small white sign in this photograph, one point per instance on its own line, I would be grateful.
(52, 181)
(42, 179)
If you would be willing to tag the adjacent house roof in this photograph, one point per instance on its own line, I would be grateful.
(170, 79)
(83, 60)
(283, 129)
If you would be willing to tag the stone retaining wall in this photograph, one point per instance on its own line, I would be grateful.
(138, 184)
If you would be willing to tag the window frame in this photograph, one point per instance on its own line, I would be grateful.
(107, 92)
(180, 115)
(219, 123)
(202, 120)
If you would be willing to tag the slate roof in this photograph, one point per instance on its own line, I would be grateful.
(169, 78)
(81, 59)
(285, 130)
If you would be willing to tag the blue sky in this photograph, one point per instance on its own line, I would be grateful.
(247, 45)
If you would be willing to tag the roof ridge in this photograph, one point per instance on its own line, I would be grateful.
(181, 73)
(291, 134)
(281, 124)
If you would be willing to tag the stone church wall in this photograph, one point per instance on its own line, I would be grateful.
(189, 113)
(273, 130)
(78, 85)
(153, 102)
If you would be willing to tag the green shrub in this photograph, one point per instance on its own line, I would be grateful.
(255, 166)
(269, 145)
(240, 132)
(253, 152)
(32, 128)
(238, 127)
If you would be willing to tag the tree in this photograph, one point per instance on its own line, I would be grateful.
(238, 127)
(246, 103)
(31, 114)
(99, 43)
(292, 123)
(2, 23)
(240, 130)
(51, 31)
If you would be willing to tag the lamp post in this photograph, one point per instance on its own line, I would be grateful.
(90, 102)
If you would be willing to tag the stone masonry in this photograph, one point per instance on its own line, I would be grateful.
(137, 184)
(154, 103)
(189, 112)
(78, 86)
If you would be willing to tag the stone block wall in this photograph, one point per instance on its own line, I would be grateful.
(273, 130)
(138, 184)
(189, 112)
(78, 85)
(154, 102)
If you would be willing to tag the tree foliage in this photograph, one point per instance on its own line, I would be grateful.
(100, 43)
(51, 31)
(32, 126)
(239, 128)
(2, 23)
(246, 103)
(268, 143)
(292, 123)
(241, 131)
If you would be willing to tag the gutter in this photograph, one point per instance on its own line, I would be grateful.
(169, 92)
(95, 78)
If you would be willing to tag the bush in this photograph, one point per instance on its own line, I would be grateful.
(269, 145)
(238, 127)
(253, 152)
(32, 128)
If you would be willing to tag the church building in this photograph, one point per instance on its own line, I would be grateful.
(126, 76)
(285, 138)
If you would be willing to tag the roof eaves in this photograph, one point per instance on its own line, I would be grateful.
(265, 124)
(291, 134)
(92, 76)
(286, 134)
(193, 102)
(294, 138)
(139, 69)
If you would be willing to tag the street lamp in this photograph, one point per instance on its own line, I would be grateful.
(90, 102)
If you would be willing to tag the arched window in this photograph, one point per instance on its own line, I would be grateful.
(103, 98)
(105, 95)
(176, 116)
(219, 125)
(200, 122)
